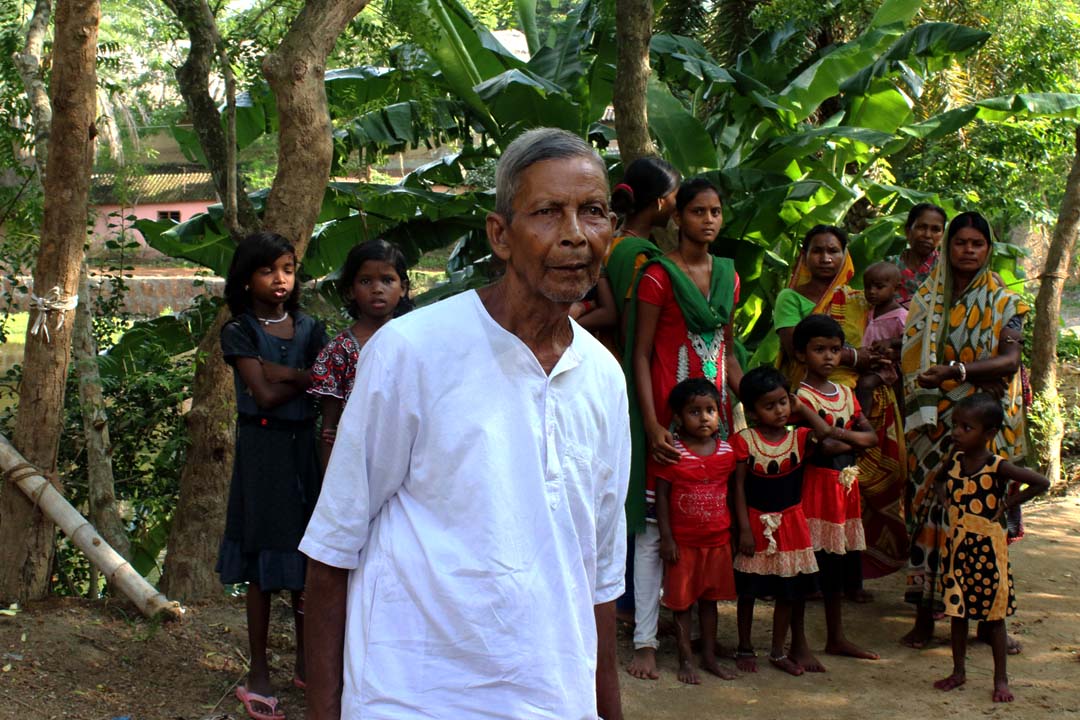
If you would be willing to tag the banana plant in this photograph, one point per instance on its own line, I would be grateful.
(790, 147)
(793, 148)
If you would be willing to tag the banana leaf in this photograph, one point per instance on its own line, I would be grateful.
(681, 136)
(1021, 106)
(520, 99)
(925, 43)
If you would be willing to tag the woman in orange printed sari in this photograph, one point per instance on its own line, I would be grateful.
(963, 335)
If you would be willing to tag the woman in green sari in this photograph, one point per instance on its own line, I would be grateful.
(679, 326)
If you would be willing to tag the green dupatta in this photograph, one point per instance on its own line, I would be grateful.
(620, 266)
(703, 317)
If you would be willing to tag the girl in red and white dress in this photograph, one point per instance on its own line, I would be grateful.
(776, 558)
(831, 492)
(374, 284)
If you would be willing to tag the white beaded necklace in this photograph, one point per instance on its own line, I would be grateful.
(273, 321)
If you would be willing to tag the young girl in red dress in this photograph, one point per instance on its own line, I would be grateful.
(695, 522)
(374, 285)
(831, 492)
(776, 557)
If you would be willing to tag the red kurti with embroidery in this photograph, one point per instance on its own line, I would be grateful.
(698, 508)
(674, 358)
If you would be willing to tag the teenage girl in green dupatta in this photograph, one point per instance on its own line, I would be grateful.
(963, 335)
(678, 326)
(645, 199)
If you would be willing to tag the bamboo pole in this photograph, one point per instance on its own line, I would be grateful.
(118, 572)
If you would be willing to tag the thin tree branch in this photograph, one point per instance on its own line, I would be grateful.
(29, 66)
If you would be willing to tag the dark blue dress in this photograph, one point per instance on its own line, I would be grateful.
(276, 473)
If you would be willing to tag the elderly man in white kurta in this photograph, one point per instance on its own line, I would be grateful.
(469, 541)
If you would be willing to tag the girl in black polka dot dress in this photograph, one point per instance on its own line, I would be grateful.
(977, 584)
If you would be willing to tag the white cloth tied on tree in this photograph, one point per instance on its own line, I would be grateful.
(53, 301)
(770, 523)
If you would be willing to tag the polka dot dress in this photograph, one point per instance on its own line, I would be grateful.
(976, 582)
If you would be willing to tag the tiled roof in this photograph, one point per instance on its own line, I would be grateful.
(154, 187)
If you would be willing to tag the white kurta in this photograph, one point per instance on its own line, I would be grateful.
(479, 504)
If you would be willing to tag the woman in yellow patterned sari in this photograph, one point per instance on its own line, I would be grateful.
(819, 285)
(963, 335)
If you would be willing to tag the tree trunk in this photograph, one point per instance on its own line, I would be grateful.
(104, 513)
(305, 150)
(633, 31)
(26, 537)
(1047, 313)
(199, 520)
(30, 70)
(193, 78)
(296, 72)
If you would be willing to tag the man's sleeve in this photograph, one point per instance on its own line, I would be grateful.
(370, 460)
(610, 510)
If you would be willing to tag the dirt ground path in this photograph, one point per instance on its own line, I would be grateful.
(81, 660)
(1045, 677)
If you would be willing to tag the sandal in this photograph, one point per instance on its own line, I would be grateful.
(249, 699)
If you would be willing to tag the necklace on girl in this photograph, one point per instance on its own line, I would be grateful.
(273, 321)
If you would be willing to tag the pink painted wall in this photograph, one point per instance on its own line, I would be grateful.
(148, 211)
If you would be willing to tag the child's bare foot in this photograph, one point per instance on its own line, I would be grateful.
(746, 660)
(712, 666)
(1002, 693)
(808, 662)
(643, 666)
(786, 664)
(1012, 645)
(860, 596)
(952, 682)
(850, 649)
(918, 638)
(688, 674)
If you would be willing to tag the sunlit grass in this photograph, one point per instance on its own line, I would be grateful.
(15, 328)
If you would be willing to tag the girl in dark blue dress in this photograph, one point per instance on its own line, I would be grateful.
(271, 346)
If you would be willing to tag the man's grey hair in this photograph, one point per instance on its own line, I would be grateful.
(531, 147)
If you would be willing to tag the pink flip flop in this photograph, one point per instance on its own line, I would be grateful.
(249, 698)
(299, 683)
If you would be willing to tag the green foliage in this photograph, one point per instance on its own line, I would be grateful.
(1013, 171)
(454, 80)
(682, 17)
(21, 198)
(1068, 349)
(791, 145)
(144, 395)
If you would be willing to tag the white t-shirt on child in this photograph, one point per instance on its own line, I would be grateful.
(479, 504)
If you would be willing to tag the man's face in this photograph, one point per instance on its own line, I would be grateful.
(560, 230)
